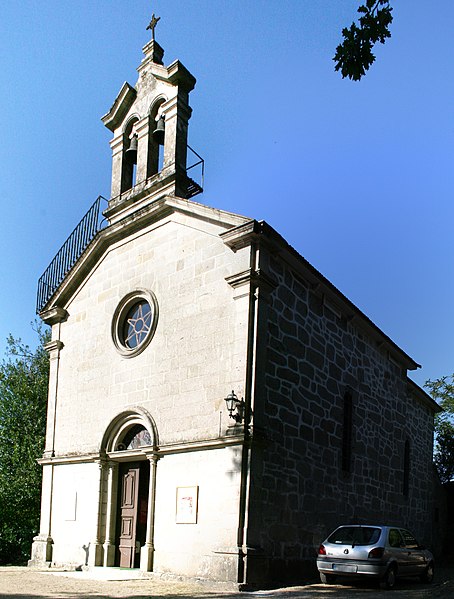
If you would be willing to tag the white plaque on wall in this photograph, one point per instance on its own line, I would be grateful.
(186, 508)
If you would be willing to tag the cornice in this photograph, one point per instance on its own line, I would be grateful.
(119, 109)
(150, 189)
(146, 452)
(52, 346)
(257, 277)
(70, 459)
(242, 235)
(153, 53)
(179, 75)
(202, 445)
(54, 315)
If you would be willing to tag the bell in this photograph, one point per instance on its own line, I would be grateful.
(131, 152)
(158, 133)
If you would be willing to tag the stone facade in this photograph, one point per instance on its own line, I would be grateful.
(140, 445)
(317, 350)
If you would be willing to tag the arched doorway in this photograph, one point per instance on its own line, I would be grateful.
(132, 502)
(131, 447)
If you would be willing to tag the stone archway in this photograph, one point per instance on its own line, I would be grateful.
(125, 420)
(130, 444)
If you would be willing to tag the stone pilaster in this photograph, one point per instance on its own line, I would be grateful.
(111, 512)
(95, 557)
(41, 554)
(147, 551)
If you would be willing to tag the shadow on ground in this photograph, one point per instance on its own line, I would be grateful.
(21, 583)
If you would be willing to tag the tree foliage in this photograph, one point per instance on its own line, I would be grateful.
(442, 391)
(444, 451)
(23, 398)
(354, 55)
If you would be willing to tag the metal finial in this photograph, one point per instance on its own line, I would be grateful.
(152, 24)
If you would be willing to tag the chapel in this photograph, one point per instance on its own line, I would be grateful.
(215, 404)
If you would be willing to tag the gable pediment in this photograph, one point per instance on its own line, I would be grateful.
(156, 211)
(123, 102)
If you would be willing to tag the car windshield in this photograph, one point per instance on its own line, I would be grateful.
(355, 535)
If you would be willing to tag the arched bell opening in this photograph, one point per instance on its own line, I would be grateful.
(156, 138)
(129, 158)
(130, 444)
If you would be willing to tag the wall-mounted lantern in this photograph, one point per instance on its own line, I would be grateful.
(235, 407)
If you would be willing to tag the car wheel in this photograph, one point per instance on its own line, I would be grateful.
(327, 578)
(389, 579)
(429, 572)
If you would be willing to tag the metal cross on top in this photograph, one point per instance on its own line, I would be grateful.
(152, 24)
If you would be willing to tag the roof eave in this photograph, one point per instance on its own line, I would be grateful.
(263, 232)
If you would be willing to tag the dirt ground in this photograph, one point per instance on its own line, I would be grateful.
(23, 583)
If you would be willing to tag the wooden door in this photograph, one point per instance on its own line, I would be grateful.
(129, 500)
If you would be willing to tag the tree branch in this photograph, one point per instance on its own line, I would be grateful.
(354, 55)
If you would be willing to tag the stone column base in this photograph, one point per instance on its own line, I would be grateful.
(146, 558)
(41, 551)
(95, 555)
(109, 555)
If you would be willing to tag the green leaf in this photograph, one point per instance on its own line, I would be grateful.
(354, 55)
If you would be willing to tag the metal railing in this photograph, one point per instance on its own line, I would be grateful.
(69, 253)
(84, 234)
(201, 162)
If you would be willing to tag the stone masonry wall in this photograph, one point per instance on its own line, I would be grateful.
(195, 357)
(196, 354)
(313, 357)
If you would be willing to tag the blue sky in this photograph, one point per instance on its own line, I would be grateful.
(357, 177)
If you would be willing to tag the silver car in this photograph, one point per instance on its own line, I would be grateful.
(380, 552)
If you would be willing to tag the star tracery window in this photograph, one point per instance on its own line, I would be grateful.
(134, 322)
(137, 324)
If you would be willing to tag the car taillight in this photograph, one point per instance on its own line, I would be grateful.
(376, 552)
(322, 550)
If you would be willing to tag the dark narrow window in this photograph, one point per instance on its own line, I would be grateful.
(153, 150)
(127, 176)
(347, 433)
(406, 479)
